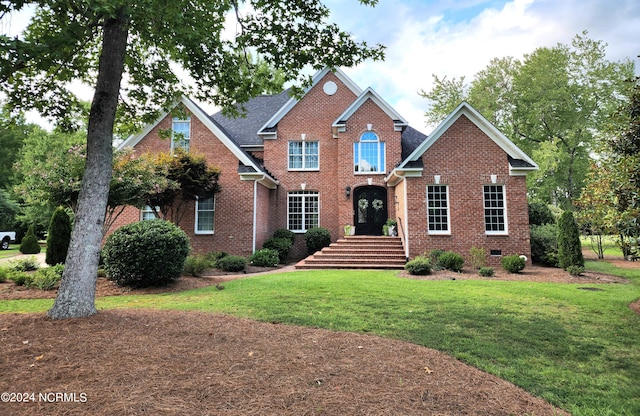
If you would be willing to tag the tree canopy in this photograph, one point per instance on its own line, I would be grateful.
(161, 50)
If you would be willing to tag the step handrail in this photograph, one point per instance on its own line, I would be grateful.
(404, 238)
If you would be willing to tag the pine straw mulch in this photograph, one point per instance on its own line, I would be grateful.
(131, 362)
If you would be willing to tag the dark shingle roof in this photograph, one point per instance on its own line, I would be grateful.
(411, 139)
(243, 130)
(519, 163)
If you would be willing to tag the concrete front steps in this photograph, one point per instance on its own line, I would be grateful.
(358, 252)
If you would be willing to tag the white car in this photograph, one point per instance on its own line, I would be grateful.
(6, 238)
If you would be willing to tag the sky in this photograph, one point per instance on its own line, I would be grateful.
(456, 38)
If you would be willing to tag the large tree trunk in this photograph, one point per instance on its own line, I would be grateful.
(76, 296)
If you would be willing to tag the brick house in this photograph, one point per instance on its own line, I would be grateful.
(340, 156)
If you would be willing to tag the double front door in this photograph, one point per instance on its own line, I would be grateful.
(370, 208)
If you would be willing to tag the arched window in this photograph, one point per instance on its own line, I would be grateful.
(369, 154)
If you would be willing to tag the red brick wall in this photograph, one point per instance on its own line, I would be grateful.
(313, 116)
(233, 223)
(465, 157)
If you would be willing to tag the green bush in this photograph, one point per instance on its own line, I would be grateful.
(265, 257)
(486, 271)
(569, 246)
(418, 266)
(316, 239)
(284, 233)
(145, 253)
(451, 261)
(540, 214)
(58, 237)
(30, 243)
(48, 278)
(544, 244)
(434, 258)
(25, 264)
(281, 245)
(195, 265)
(213, 257)
(575, 270)
(232, 263)
(4, 273)
(19, 278)
(478, 257)
(513, 263)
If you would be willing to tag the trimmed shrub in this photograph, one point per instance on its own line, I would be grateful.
(195, 265)
(418, 266)
(4, 273)
(281, 245)
(232, 263)
(58, 237)
(265, 257)
(434, 258)
(29, 243)
(513, 263)
(213, 257)
(544, 244)
(540, 214)
(284, 233)
(26, 264)
(145, 253)
(451, 261)
(569, 246)
(316, 239)
(20, 278)
(48, 277)
(478, 257)
(486, 271)
(575, 270)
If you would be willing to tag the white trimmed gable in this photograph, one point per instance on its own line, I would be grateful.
(197, 112)
(487, 128)
(369, 94)
(268, 130)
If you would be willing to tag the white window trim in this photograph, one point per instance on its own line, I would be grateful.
(174, 139)
(440, 232)
(195, 224)
(381, 145)
(298, 192)
(304, 146)
(504, 209)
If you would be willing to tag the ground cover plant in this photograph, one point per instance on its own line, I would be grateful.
(574, 345)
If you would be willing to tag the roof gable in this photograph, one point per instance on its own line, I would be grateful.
(369, 94)
(519, 161)
(268, 129)
(196, 111)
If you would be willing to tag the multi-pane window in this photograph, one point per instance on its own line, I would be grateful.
(181, 133)
(303, 210)
(495, 214)
(205, 209)
(369, 154)
(303, 155)
(438, 209)
(147, 213)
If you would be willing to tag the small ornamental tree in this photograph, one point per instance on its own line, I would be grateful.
(29, 243)
(58, 237)
(569, 247)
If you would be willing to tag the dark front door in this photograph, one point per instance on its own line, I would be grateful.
(370, 207)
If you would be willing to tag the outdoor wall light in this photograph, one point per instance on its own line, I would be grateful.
(347, 191)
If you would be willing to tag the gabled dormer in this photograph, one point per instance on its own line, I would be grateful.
(399, 123)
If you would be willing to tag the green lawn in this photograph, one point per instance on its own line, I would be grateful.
(14, 250)
(576, 348)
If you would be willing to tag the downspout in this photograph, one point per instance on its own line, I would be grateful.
(255, 215)
(406, 219)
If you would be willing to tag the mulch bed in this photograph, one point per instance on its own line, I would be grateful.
(131, 362)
